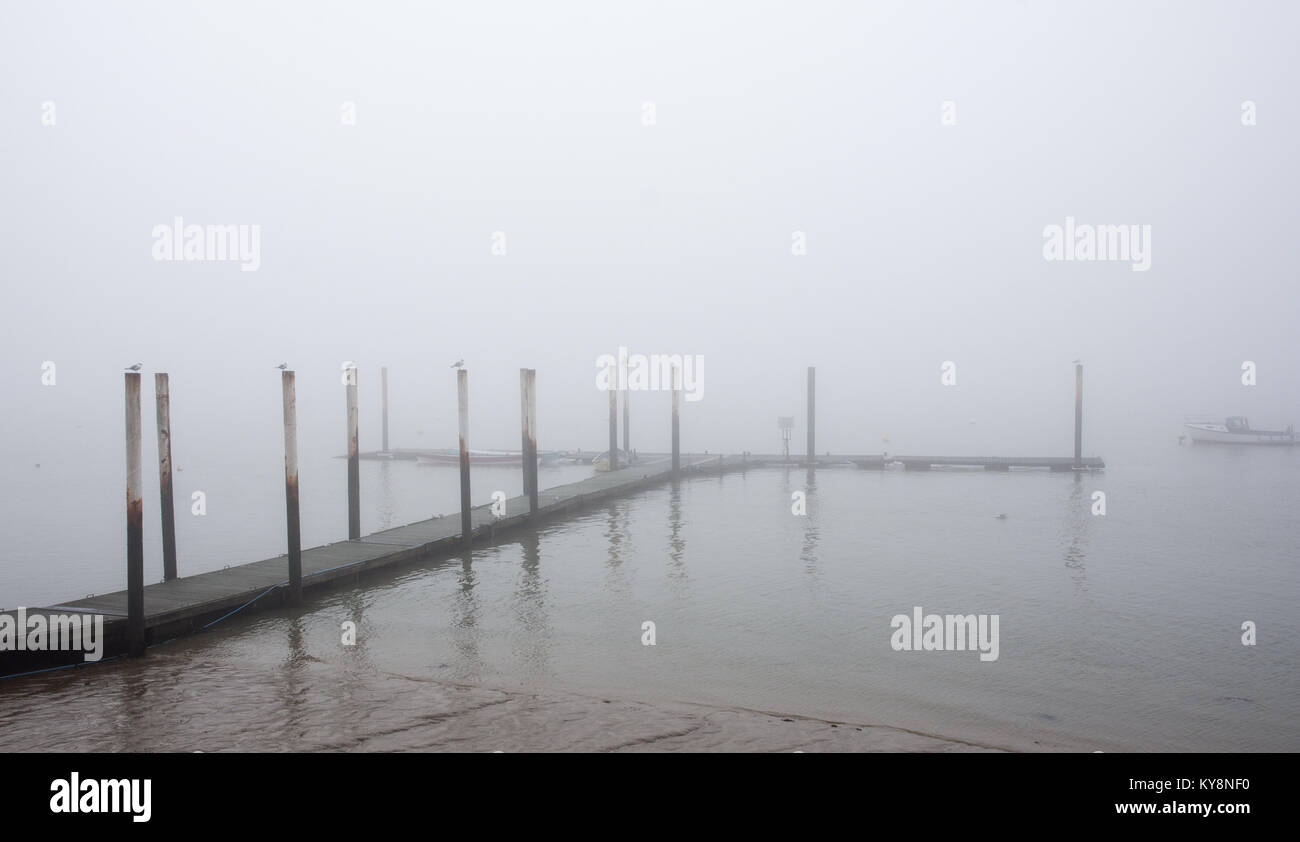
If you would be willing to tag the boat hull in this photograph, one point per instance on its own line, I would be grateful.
(1219, 434)
(477, 457)
(601, 462)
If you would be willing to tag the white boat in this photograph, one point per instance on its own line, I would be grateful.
(601, 462)
(1237, 430)
(478, 457)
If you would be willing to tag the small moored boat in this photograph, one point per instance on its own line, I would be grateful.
(477, 457)
(601, 462)
(1237, 430)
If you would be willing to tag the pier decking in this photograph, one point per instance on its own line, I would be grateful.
(147, 615)
(188, 604)
(184, 605)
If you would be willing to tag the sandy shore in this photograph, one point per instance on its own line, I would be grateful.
(470, 718)
(314, 707)
(496, 720)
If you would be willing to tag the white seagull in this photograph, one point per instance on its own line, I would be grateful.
(135, 367)
(459, 363)
(282, 366)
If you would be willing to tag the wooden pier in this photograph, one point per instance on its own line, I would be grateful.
(141, 615)
(188, 604)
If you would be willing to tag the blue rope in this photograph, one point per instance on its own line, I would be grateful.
(64, 667)
(245, 605)
(169, 640)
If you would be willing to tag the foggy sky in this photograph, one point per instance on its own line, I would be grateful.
(924, 240)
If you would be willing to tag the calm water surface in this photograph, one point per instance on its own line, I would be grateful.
(1116, 632)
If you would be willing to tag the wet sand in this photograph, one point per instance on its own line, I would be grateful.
(316, 711)
(481, 719)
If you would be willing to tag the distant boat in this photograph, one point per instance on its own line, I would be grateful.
(568, 457)
(601, 462)
(478, 457)
(1237, 430)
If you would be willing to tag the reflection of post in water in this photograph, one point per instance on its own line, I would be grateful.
(387, 503)
(466, 620)
(1078, 513)
(534, 632)
(531, 545)
(356, 664)
(676, 544)
(354, 605)
(616, 531)
(296, 655)
(292, 696)
(617, 535)
(133, 720)
(809, 554)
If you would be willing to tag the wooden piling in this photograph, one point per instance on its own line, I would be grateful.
(466, 522)
(812, 416)
(613, 428)
(383, 392)
(1078, 416)
(162, 396)
(528, 423)
(354, 460)
(292, 523)
(677, 426)
(134, 521)
(627, 435)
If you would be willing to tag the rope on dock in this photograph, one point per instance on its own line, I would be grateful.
(246, 604)
(279, 585)
(63, 667)
(225, 616)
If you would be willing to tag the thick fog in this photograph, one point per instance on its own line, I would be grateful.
(655, 172)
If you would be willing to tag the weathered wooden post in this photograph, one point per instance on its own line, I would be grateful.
(528, 409)
(466, 521)
(677, 427)
(162, 397)
(354, 460)
(1078, 416)
(613, 427)
(383, 391)
(812, 416)
(291, 487)
(134, 521)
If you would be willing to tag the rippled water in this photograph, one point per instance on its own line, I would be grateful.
(1117, 632)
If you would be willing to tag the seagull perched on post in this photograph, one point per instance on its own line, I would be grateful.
(282, 366)
(458, 364)
(135, 367)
